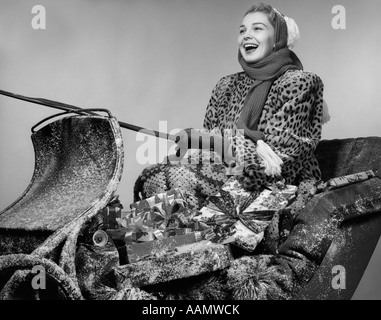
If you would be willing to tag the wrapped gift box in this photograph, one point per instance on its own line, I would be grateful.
(159, 224)
(170, 209)
(276, 197)
(187, 261)
(238, 233)
(147, 204)
(138, 251)
(241, 216)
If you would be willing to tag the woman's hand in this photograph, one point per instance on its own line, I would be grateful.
(195, 139)
(191, 139)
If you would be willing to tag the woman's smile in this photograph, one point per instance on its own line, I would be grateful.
(250, 47)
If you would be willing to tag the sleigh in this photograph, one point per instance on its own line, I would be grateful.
(78, 165)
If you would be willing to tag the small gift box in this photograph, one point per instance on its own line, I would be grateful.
(232, 222)
(188, 261)
(150, 217)
(173, 197)
(274, 197)
(240, 217)
(342, 181)
(159, 224)
(139, 251)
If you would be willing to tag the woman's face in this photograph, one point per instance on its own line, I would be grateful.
(256, 37)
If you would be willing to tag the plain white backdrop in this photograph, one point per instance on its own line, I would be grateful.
(158, 60)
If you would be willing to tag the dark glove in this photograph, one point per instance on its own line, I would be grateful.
(194, 139)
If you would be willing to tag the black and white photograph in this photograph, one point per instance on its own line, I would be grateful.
(208, 152)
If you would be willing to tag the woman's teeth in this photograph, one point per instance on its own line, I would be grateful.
(250, 47)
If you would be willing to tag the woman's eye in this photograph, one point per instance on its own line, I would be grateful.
(257, 28)
(241, 31)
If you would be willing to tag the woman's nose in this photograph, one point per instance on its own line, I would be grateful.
(247, 35)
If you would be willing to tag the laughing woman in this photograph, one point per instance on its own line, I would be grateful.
(276, 104)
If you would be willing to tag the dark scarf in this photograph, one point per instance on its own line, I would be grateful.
(264, 72)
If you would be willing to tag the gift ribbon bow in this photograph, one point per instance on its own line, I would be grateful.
(153, 222)
(233, 211)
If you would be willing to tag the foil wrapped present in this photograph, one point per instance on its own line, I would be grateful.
(188, 261)
(274, 197)
(151, 217)
(169, 200)
(157, 248)
(241, 217)
(159, 224)
(342, 181)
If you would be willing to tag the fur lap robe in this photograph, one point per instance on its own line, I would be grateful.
(294, 245)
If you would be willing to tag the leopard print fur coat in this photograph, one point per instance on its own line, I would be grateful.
(291, 121)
